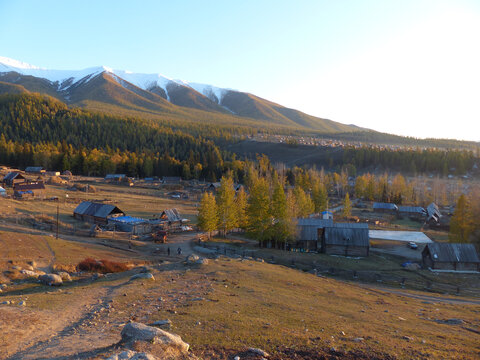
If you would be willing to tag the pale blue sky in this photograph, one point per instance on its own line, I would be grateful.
(408, 67)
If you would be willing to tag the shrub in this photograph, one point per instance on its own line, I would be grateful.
(101, 266)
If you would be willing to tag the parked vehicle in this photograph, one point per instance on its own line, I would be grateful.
(412, 245)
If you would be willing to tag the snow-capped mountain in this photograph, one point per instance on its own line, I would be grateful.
(64, 79)
(152, 93)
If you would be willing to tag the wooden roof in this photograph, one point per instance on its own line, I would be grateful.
(447, 252)
(346, 236)
(96, 209)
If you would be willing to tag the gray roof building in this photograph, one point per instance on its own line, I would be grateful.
(96, 212)
(346, 241)
(385, 206)
(448, 256)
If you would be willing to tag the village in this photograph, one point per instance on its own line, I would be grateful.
(413, 237)
(114, 250)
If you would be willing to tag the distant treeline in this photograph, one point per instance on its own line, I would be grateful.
(439, 162)
(39, 130)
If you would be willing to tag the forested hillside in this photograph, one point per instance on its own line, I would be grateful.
(42, 131)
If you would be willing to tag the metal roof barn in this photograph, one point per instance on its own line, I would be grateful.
(446, 256)
(412, 210)
(97, 213)
(345, 241)
(385, 206)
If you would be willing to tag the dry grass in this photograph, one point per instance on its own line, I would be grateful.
(270, 306)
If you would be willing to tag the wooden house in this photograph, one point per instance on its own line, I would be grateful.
(136, 226)
(96, 213)
(350, 239)
(13, 178)
(416, 212)
(447, 256)
(34, 170)
(433, 214)
(115, 177)
(29, 190)
(171, 180)
(385, 207)
(310, 231)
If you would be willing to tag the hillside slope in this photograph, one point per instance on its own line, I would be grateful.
(109, 90)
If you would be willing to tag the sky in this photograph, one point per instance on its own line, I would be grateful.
(406, 67)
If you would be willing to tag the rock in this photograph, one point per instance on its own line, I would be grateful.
(236, 358)
(22, 303)
(198, 299)
(51, 279)
(16, 267)
(192, 259)
(257, 351)
(342, 332)
(133, 332)
(202, 261)
(147, 276)
(29, 267)
(408, 338)
(132, 355)
(5, 302)
(3, 286)
(359, 339)
(32, 263)
(65, 276)
(163, 324)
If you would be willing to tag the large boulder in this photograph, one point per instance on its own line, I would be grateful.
(192, 259)
(133, 332)
(51, 279)
(195, 259)
(65, 276)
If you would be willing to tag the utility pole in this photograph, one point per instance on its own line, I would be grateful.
(56, 237)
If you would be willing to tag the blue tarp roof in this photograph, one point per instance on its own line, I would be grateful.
(128, 219)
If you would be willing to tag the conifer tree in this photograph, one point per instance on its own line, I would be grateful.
(320, 197)
(241, 204)
(278, 211)
(259, 218)
(227, 215)
(347, 206)
(304, 202)
(207, 213)
(461, 224)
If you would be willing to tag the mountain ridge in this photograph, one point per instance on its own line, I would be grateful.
(155, 94)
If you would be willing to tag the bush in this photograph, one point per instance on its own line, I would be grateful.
(101, 266)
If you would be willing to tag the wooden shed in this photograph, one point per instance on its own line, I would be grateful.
(310, 231)
(36, 170)
(29, 190)
(446, 256)
(433, 214)
(346, 240)
(385, 207)
(416, 212)
(13, 178)
(96, 213)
